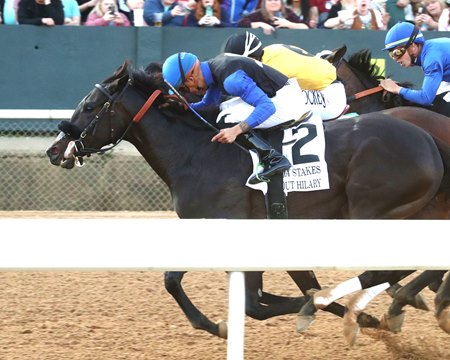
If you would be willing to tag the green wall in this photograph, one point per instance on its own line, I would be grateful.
(54, 68)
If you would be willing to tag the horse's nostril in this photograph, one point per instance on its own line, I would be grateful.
(52, 151)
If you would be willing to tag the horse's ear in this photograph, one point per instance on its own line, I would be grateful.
(123, 69)
(336, 55)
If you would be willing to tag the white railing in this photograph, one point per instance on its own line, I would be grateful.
(223, 245)
(35, 114)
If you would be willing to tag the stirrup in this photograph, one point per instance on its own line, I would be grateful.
(257, 175)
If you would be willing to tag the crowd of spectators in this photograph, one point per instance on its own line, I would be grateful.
(268, 15)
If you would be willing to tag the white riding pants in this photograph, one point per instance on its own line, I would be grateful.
(288, 104)
(329, 103)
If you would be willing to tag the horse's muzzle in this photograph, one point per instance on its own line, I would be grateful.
(57, 158)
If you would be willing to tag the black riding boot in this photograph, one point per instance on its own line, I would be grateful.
(272, 160)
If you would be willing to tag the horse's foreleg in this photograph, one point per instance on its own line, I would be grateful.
(172, 282)
(355, 306)
(306, 280)
(323, 298)
(409, 295)
(442, 305)
(260, 305)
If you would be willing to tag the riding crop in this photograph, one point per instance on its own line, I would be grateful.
(185, 102)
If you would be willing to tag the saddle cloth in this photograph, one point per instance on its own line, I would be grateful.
(304, 146)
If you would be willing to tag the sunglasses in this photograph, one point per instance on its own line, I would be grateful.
(398, 52)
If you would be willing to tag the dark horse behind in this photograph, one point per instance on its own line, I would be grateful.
(379, 168)
(360, 76)
(359, 73)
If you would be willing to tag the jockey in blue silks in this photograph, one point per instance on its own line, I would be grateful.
(262, 98)
(408, 47)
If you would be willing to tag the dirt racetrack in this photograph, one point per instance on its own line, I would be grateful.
(85, 315)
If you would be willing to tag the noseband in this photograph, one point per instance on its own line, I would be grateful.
(80, 148)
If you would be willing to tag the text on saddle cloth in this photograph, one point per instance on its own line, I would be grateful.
(304, 146)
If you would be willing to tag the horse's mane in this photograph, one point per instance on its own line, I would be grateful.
(147, 79)
(150, 78)
(362, 62)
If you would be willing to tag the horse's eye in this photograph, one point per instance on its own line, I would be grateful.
(88, 108)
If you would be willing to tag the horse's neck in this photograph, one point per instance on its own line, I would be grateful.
(170, 146)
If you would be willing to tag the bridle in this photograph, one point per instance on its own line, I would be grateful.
(78, 145)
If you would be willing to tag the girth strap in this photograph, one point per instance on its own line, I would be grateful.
(276, 202)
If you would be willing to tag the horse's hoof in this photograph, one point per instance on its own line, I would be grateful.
(393, 323)
(383, 324)
(351, 327)
(303, 321)
(223, 329)
(351, 332)
(420, 303)
(444, 320)
(368, 321)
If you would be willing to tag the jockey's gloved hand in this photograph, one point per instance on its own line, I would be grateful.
(172, 102)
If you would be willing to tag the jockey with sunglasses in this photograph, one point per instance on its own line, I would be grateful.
(407, 46)
(322, 93)
(262, 98)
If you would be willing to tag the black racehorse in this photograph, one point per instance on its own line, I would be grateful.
(207, 180)
(361, 76)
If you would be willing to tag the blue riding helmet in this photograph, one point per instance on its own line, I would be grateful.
(403, 33)
(176, 67)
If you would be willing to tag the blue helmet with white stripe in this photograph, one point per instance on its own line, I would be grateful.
(403, 33)
(176, 67)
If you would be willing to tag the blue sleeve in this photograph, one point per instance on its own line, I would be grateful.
(433, 78)
(211, 97)
(241, 85)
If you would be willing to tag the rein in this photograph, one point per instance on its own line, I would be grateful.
(186, 103)
(365, 93)
(78, 145)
